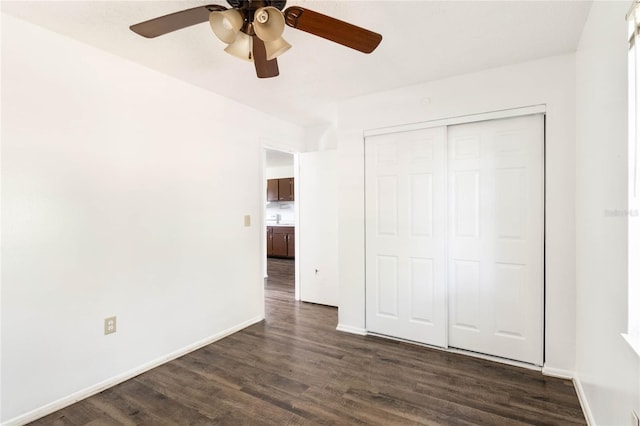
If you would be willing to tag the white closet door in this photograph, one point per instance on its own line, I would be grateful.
(405, 234)
(495, 238)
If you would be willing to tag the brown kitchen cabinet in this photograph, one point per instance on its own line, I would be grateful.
(272, 190)
(269, 241)
(285, 189)
(291, 244)
(281, 241)
(280, 189)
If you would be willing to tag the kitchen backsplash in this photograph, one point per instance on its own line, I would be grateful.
(286, 210)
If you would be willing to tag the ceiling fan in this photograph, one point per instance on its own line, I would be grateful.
(253, 29)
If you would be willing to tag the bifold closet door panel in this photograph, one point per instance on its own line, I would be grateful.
(495, 237)
(405, 235)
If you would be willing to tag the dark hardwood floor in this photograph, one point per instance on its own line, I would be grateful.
(295, 368)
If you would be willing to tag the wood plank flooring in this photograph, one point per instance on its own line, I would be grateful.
(295, 368)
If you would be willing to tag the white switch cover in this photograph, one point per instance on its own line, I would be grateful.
(247, 220)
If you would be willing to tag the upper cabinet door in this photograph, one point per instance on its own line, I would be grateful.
(272, 190)
(285, 189)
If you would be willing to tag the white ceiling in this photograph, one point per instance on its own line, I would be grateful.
(422, 41)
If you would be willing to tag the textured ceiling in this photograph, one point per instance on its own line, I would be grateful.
(422, 41)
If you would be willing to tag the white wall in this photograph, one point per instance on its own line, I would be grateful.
(318, 227)
(112, 181)
(607, 368)
(286, 210)
(549, 81)
(280, 172)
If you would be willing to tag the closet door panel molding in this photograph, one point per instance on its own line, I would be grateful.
(454, 236)
(498, 226)
(405, 233)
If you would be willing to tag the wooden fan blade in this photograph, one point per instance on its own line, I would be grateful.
(332, 29)
(264, 68)
(175, 21)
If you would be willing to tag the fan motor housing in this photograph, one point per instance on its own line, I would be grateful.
(252, 5)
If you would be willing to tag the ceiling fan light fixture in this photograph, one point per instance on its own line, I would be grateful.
(226, 24)
(242, 47)
(254, 33)
(276, 48)
(268, 23)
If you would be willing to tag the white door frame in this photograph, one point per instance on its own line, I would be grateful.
(472, 118)
(463, 119)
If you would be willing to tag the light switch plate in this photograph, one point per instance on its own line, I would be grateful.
(247, 220)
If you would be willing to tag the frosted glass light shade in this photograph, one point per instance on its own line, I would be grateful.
(226, 24)
(268, 23)
(242, 47)
(276, 48)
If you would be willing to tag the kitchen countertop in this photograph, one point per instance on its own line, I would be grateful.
(281, 224)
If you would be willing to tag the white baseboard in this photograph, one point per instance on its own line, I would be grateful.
(582, 397)
(558, 372)
(99, 387)
(353, 330)
(577, 384)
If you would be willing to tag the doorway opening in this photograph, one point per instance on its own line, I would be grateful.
(281, 215)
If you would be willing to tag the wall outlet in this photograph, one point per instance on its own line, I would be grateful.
(247, 220)
(109, 325)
